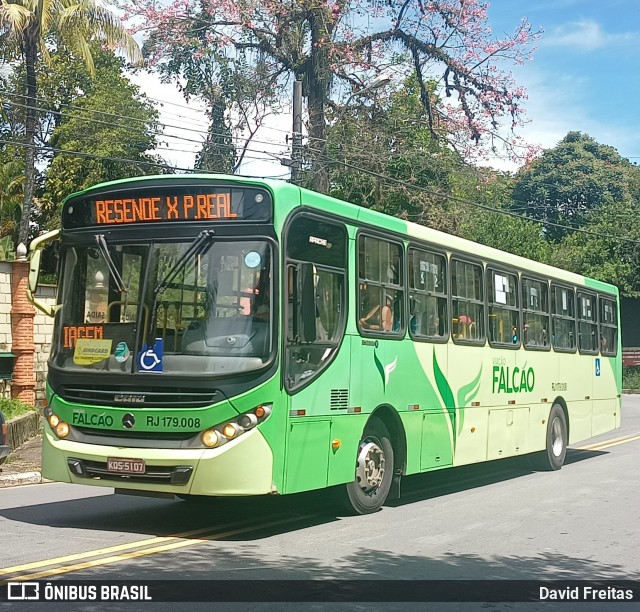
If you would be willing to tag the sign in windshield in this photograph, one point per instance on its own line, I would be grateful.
(162, 204)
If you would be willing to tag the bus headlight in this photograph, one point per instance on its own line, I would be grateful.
(212, 438)
(230, 430)
(62, 429)
(59, 427)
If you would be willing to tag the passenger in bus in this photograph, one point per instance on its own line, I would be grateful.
(379, 318)
(466, 326)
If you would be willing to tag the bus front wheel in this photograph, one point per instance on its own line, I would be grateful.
(552, 458)
(374, 470)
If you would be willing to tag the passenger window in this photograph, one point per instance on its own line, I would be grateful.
(467, 302)
(380, 295)
(427, 295)
(535, 314)
(587, 323)
(608, 327)
(563, 316)
(504, 314)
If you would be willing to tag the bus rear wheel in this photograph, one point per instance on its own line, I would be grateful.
(374, 470)
(552, 458)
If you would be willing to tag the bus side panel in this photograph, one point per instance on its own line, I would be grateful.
(606, 402)
(576, 371)
(307, 455)
(308, 436)
(346, 429)
(470, 380)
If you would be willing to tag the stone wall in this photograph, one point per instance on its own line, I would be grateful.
(42, 330)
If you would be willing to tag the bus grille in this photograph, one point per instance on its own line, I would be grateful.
(174, 475)
(163, 398)
(339, 399)
(139, 435)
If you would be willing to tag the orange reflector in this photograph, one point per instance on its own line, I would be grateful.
(414, 406)
(544, 400)
(297, 412)
(475, 403)
(355, 409)
(336, 444)
(511, 402)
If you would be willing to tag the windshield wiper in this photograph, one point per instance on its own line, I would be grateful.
(113, 270)
(200, 244)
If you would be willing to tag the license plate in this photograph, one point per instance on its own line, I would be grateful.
(125, 466)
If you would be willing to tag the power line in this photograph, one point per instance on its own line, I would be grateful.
(459, 200)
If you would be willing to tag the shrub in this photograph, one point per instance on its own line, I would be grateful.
(13, 407)
(631, 377)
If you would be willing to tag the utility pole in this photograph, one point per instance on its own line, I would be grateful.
(296, 141)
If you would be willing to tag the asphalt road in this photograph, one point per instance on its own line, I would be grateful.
(498, 521)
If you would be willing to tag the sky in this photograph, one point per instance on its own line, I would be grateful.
(585, 76)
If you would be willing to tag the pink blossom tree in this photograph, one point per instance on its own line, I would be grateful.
(337, 47)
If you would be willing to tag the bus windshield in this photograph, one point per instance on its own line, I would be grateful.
(199, 306)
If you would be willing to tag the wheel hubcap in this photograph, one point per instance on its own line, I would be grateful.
(371, 464)
(557, 445)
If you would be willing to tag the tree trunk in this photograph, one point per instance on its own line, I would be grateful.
(30, 53)
(318, 84)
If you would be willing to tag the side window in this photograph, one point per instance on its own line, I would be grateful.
(608, 327)
(535, 314)
(427, 295)
(504, 313)
(563, 318)
(467, 303)
(587, 323)
(315, 294)
(380, 295)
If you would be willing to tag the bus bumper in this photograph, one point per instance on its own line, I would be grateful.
(241, 467)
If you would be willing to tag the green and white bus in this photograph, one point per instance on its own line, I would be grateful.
(218, 335)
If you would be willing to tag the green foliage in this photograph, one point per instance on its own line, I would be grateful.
(605, 252)
(382, 155)
(11, 183)
(570, 181)
(7, 249)
(631, 377)
(12, 407)
(105, 119)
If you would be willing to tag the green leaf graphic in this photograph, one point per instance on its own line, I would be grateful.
(380, 369)
(465, 397)
(447, 395)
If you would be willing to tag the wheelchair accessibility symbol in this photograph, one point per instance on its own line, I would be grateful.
(598, 366)
(150, 359)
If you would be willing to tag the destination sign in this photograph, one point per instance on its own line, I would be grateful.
(155, 204)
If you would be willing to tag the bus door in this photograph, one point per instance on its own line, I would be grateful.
(316, 358)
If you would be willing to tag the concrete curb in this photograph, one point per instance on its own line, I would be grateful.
(11, 480)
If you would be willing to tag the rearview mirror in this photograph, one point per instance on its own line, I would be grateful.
(34, 271)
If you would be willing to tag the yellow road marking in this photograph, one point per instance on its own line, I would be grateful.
(101, 551)
(616, 443)
(611, 442)
(148, 551)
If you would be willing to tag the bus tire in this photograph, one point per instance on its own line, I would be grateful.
(374, 470)
(552, 458)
